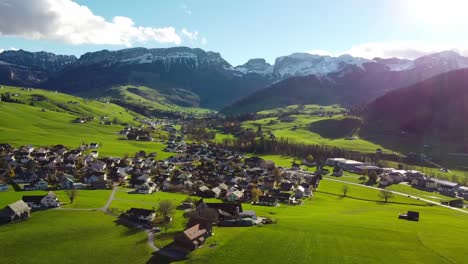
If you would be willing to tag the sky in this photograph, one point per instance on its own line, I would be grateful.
(240, 30)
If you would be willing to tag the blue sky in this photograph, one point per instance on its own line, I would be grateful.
(240, 29)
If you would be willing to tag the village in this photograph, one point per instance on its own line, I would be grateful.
(199, 170)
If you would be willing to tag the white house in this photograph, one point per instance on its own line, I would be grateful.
(234, 196)
(299, 192)
(98, 166)
(3, 187)
(147, 188)
(49, 200)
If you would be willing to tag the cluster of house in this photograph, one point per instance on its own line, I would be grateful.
(21, 209)
(59, 167)
(176, 141)
(389, 176)
(137, 133)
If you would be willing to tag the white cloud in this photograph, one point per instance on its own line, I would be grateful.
(67, 21)
(193, 36)
(2, 50)
(398, 49)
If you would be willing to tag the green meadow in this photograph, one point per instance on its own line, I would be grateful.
(327, 228)
(333, 229)
(23, 124)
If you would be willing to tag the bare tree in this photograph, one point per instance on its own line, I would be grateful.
(164, 213)
(72, 194)
(345, 190)
(386, 195)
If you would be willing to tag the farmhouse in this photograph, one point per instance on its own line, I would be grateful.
(192, 237)
(16, 211)
(3, 187)
(141, 215)
(49, 200)
(267, 200)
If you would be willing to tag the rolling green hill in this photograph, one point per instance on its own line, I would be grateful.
(156, 100)
(50, 122)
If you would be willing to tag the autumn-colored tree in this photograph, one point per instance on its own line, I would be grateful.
(255, 194)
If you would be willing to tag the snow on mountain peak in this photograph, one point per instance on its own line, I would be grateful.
(301, 64)
(259, 66)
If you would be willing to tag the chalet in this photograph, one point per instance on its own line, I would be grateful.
(3, 187)
(141, 215)
(49, 200)
(192, 237)
(223, 210)
(100, 184)
(285, 197)
(96, 176)
(446, 187)
(269, 183)
(206, 192)
(299, 192)
(307, 189)
(267, 200)
(147, 188)
(38, 184)
(234, 196)
(424, 183)
(16, 211)
(287, 186)
(98, 165)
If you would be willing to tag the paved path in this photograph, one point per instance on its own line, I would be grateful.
(111, 198)
(399, 193)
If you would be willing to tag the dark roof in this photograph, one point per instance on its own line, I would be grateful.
(267, 199)
(140, 211)
(231, 208)
(33, 198)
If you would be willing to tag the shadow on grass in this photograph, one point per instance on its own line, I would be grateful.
(370, 200)
(131, 227)
(168, 254)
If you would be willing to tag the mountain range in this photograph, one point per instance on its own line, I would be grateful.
(299, 78)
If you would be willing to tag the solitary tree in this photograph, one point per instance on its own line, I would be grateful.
(372, 177)
(255, 194)
(386, 195)
(164, 212)
(72, 194)
(345, 190)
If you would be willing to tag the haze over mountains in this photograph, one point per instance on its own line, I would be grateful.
(299, 78)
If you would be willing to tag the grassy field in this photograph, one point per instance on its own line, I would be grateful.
(325, 229)
(153, 99)
(332, 229)
(59, 102)
(299, 131)
(24, 124)
(57, 236)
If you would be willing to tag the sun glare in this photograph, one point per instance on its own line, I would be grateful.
(439, 14)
